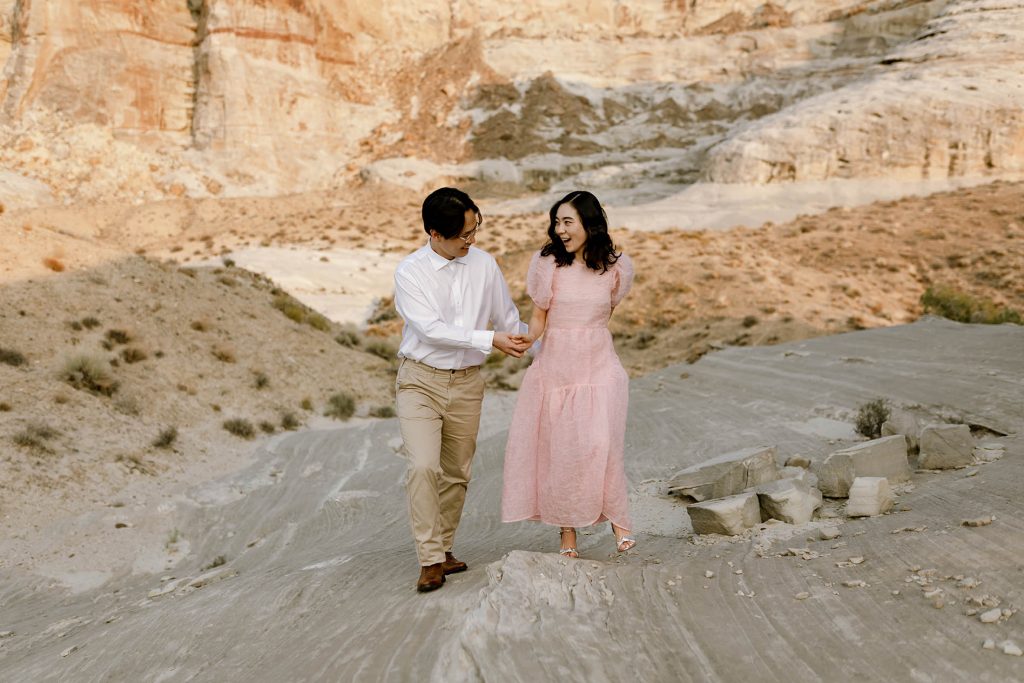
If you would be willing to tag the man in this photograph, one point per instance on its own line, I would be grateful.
(447, 292)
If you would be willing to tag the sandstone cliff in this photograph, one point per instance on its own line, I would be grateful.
(145, 100)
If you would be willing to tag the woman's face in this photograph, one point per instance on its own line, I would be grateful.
(569, 228)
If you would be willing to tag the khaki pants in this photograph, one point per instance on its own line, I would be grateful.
(439, 415)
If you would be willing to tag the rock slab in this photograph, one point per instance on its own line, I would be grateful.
(728, 516)
(946, 447)
(869, 496)
(788, 500)
(884, 457)
(725, 475)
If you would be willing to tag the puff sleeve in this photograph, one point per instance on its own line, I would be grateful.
(623, 271)
(539, 279)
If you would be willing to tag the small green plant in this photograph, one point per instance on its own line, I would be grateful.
(289, 421)
(35, 437)
(216, 562)
(340, 406)
(166, 437)
(870, 417)
(307, 404)
(172, 538)
(383, 411)
(89, 373)
(750, 321)
(291, 308)
(949, 302)
(268, 427)
(12, 357)
(240, 427)
(318, 322)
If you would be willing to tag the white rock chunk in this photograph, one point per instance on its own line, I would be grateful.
(869, 496)
(885, 457)
(725, 475)
(788, 500)
(946, 447)
(728, 516)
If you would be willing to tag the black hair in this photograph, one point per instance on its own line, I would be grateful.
(444, 210)
(598, 251)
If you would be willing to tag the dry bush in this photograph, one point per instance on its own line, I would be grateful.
(89, 322)
(5, 407)
(200, 325)
(307, 404)
(12, 357)
(54, 264)
(225, 354)
(35, 437)
(268, 427)
(318, 322)
(240, 427)
(260, 380)
(291, 308)
(133, 354)
(166, 437)
(216, 562)
(348, 337)
(870, 417)
(382, 349)
(383, 411)
(951, 303)
(340, 406)
(289, 421)
(91, 373)
(119, 336)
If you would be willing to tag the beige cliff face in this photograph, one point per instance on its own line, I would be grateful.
(117, 100)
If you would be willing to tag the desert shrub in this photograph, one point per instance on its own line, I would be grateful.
(348, 337)
(128, 405)
(384, 312)
(35, 437)
(225, 354)
(260, 380)
(949, 302)
(90, 373)
(382, 349)
(200, 325)
(341, 406)
(318, 322)
(870, 417)
(118, 336)
(383, 411)
(89, 322)
(268, 427)
(291, 308)
(75, 325)
(240, 427)
(307, 404)
(133, 354)
(643, 339)
(166, 437)
(228, 263)
(5, 407)
(216, 562)
(289, 421)
(750, 321)
(11, 357)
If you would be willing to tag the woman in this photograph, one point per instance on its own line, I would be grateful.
(563, 460)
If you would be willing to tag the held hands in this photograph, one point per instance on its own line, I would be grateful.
(514, 345)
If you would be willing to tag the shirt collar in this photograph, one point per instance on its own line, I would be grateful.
(438, 261)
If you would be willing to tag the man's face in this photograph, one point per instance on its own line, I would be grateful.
(457, 246)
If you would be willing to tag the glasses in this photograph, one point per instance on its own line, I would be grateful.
(471, 235)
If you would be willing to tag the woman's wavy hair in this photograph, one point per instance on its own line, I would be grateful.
(598, 251)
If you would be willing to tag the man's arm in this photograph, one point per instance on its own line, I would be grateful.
(504, 314)
(415, 308)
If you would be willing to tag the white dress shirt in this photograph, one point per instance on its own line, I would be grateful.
(447, 306)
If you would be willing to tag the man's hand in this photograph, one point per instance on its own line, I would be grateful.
(514, 345)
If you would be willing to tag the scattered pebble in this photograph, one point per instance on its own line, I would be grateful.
(73, 648)
(671, 582)
(738, 571)
(802, 595)
(6, 634)
(991, 616)
(933, 592)
(968, 582)
(1011, 648)
(989, 644)
(829, 533)
(979, 521)
(708, 574)
(855, 583)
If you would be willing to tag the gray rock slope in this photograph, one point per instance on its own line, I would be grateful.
(318, 583)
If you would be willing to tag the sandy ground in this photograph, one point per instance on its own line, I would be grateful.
(315, 569)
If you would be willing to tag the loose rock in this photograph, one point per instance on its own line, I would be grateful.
(788, 500)
(828, 533)
(885, 457)
(725, 475)
(991, 616)
(977, 521)
(728, 516)
(1011, 648)
(946, 447)
(869, 496)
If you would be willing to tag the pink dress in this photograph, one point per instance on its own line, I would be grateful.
(564, 457)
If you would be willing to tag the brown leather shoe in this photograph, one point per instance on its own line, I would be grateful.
(453, 566)
(431, 578)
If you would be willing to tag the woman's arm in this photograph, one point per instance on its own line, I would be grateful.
(538, 321)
